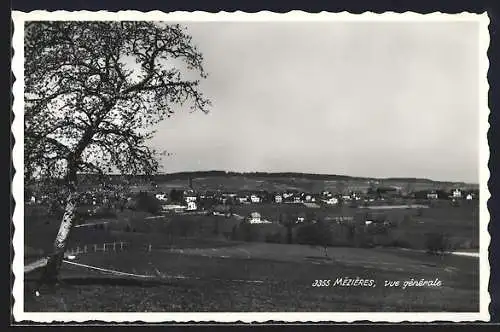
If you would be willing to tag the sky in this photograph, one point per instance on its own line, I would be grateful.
(375, 99)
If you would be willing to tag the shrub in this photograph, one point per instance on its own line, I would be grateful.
(148, 203)
(436, 243)
(314, 234)
(273, 238)
(248, 232)
(398, 243)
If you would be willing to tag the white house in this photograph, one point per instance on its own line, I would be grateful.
(300, 219)
(162, 197)
(469, 197)
(297, 199)
(255, 218)
(173, 207)
(432, 195)
(190, 198)
(278, 199)
(331, 201)
(191, 206)
(308, 198)
(243, 199)
(255, 199)
(457, 193)
(346, 197)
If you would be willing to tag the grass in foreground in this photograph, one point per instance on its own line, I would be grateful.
(203, 283)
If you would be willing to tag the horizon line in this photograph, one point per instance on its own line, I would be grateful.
(309, 173)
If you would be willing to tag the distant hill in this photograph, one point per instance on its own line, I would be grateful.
(298, 175)
(234, 181)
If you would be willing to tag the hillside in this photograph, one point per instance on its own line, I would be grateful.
(232, 181)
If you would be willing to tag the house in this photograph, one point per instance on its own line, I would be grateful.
(308, 198)
(300, 220)
(243, 199)
(457, 193)
(326, 194)
(255, 199)
(191, 206)
(346, 197)
(190, 198)
(297, 199)
(332, 201)
(355, 196)
(278, 199)
(162, 197)
(173, 208)
(255, 218)
(432, 195)
(469, 197)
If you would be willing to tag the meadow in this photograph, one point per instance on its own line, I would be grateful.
(261, 277)
(204, 263)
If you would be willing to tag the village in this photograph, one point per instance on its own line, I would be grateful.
(187, 200)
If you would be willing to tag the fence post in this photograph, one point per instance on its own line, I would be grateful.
(114, 246)
(95, 247)
(149, 248)
(104, 247)
(121, 245)
(85, 249)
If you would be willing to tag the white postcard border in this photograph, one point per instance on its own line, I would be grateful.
(18, 160)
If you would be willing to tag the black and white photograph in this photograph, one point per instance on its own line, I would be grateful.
(250, 167)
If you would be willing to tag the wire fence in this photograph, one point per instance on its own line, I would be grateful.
(104, 247)
(119, 246)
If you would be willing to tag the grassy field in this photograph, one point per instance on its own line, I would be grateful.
(194, 266)
(460, 224)
(261, 277)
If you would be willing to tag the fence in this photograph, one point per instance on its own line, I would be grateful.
(113, 247)
(105, 247)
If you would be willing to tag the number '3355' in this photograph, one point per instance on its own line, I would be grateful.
(321, 283)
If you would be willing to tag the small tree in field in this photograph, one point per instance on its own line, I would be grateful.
(318, 234)
(436, 243)
(93, 90)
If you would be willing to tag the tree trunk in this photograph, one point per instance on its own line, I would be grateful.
(54, 262)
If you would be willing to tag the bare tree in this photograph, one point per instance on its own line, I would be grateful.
(93, 91)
